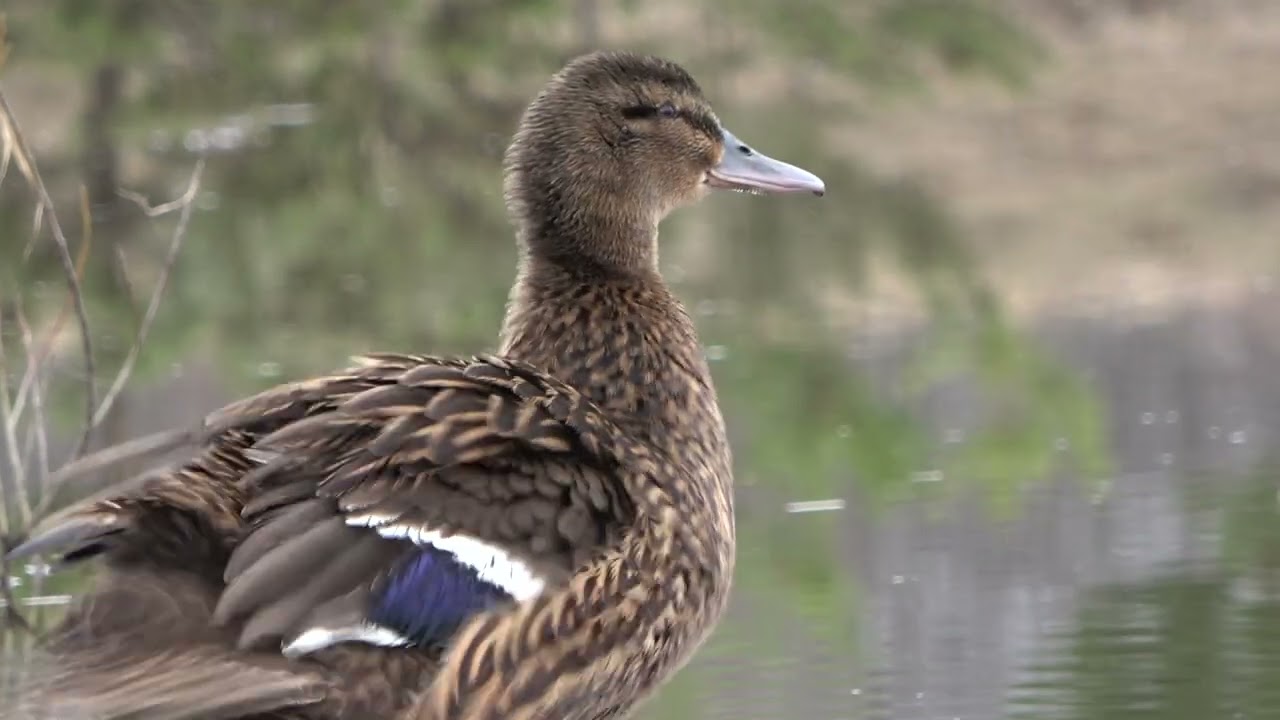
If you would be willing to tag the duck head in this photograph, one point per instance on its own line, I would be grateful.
(611, 146)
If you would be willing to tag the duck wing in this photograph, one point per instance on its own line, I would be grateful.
(406, 495)
(479, 504)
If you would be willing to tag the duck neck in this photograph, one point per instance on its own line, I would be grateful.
(601, 233)
(569, 314)
(619, 337)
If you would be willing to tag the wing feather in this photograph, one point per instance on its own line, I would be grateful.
(317, 472)
(482, 448)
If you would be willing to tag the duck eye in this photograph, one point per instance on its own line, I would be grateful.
(667, 110)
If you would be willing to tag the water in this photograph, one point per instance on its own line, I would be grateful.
(1152, 592)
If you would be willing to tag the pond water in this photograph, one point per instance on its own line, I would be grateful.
(1149, 593)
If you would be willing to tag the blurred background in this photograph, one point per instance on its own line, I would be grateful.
(1001, 403)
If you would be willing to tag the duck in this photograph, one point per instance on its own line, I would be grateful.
(544, 532)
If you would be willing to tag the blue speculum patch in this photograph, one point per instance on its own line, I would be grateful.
(430, 594)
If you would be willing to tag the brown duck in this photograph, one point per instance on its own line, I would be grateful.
(544, 533)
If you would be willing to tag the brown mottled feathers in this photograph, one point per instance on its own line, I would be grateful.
(591, 449)
(486, 447)
(142, 646)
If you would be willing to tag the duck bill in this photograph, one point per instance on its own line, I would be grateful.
(745, 170)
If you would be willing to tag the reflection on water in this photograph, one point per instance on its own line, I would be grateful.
(1154, 593)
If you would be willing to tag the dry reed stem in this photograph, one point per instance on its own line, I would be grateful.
(28, 377)
(37, 432)
(185, 204)
(20, 511)
(26, 164)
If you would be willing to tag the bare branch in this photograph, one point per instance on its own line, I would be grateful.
(27, 162)
(187, 203)
(37, 224)
(127, 451)
(23, 421)
(6, 155)
(130, 291)
(23, 500)
(154, 211)
(29, 375)
(16, 478)
(37, 429)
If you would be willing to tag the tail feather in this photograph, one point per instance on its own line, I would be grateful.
(187, 518)
(172, 525)
(80, 535)
(142, 642)
(203, 682)
(141, 645)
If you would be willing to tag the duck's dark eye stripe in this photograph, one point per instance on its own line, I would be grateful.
(639, 111)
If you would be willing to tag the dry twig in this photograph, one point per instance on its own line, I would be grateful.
(185, 204)
(27, 164)
(37, 432)
(25, 434)
(28, 377)
(12, 483)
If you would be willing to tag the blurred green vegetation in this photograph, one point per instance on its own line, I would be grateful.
(353, 202)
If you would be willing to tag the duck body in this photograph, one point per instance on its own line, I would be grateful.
(545, 533)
